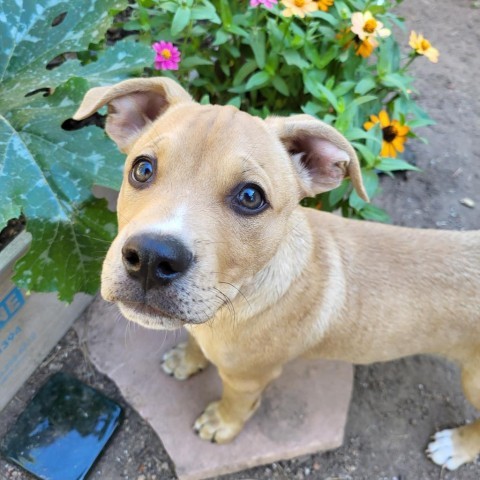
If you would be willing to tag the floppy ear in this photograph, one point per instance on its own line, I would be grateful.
(322, 155)
(132, 105)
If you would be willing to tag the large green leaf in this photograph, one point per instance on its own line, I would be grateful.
(46, 172)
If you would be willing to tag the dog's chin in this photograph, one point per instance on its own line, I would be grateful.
(149, 317)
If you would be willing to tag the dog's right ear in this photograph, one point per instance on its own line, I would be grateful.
(132, 105)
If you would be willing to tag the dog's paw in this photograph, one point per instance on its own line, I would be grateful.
(181, 364)
(211, 426)
(448, 450)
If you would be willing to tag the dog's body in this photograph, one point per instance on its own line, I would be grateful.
(259, 283)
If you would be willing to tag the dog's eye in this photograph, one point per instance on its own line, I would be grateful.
(142, 170)
(250, 199)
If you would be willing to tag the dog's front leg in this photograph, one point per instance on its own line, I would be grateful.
(224, 419)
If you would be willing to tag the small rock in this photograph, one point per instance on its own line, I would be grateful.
(141, 477)
(468, 202)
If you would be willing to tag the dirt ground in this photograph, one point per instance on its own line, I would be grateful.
(396, 406)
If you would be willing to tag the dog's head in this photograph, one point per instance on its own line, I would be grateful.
(206, 196)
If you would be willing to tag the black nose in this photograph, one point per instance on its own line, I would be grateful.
(155, 260)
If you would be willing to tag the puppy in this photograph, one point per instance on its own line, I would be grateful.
(212, 238)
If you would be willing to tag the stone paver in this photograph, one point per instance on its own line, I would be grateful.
(303, 411)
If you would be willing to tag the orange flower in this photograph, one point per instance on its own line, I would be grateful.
(365, 47)
(298, 7)
(423, 47)
(324, 5)
(393, 132)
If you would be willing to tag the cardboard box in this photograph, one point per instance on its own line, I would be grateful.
(30, 325)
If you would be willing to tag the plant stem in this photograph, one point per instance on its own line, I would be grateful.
(409, 62)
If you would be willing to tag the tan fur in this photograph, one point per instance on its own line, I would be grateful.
(290, 281)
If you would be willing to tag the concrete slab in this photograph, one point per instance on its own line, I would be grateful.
(302, 412)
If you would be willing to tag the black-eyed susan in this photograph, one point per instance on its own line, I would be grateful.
(393, 132)
(324, 5)
(298, 7)
(423, 47)
(365, 25)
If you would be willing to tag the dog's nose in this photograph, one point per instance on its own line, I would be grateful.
(155, 260)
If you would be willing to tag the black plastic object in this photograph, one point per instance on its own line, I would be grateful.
(63, 430)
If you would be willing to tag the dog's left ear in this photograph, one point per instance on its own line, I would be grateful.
(322, 155)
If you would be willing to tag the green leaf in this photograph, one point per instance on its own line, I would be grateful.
(370, 181)
(377, 214)
(257, 42)
(293, 57)
(312, 108)
(327, 57)
(343, 88)
(257, 80)
(205, 12)
(334, 196)
(46, 172)
(329, 95)
(67, 256)
(420, 122)
(366, 153)
(221, 37)
(365, 85)
(402, 82)
(194, 61)
(280, 85)
(235, 101)
(244, 71)
(365, 99)
(325, 16)
(393, 164)
(180, 20)
(226, 14)
(126, 58)
(29, 42)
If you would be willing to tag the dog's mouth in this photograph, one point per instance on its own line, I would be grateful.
(150, 316)
(144, 309)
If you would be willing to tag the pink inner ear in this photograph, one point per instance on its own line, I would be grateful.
(129, 114)
(326, 163)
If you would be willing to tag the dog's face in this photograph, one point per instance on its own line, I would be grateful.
(206, 197)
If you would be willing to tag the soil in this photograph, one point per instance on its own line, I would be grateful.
(396, 406)
(13, 228)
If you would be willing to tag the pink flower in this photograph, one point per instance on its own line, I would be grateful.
(167, 55)
(267, 3)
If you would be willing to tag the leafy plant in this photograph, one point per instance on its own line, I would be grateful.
(46, 172)
(263, 62)
(349, 73)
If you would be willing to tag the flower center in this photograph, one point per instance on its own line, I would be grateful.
(299, 3)
(370, 25)
(389, 133)
(425, 44)
(166, 54)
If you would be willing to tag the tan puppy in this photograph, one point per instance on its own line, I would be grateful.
(211, 237)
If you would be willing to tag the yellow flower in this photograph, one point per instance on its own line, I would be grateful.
(324, 5)
(394, 133)
(365, 47)
(299, 7)
(423, 47)
(364, 25)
